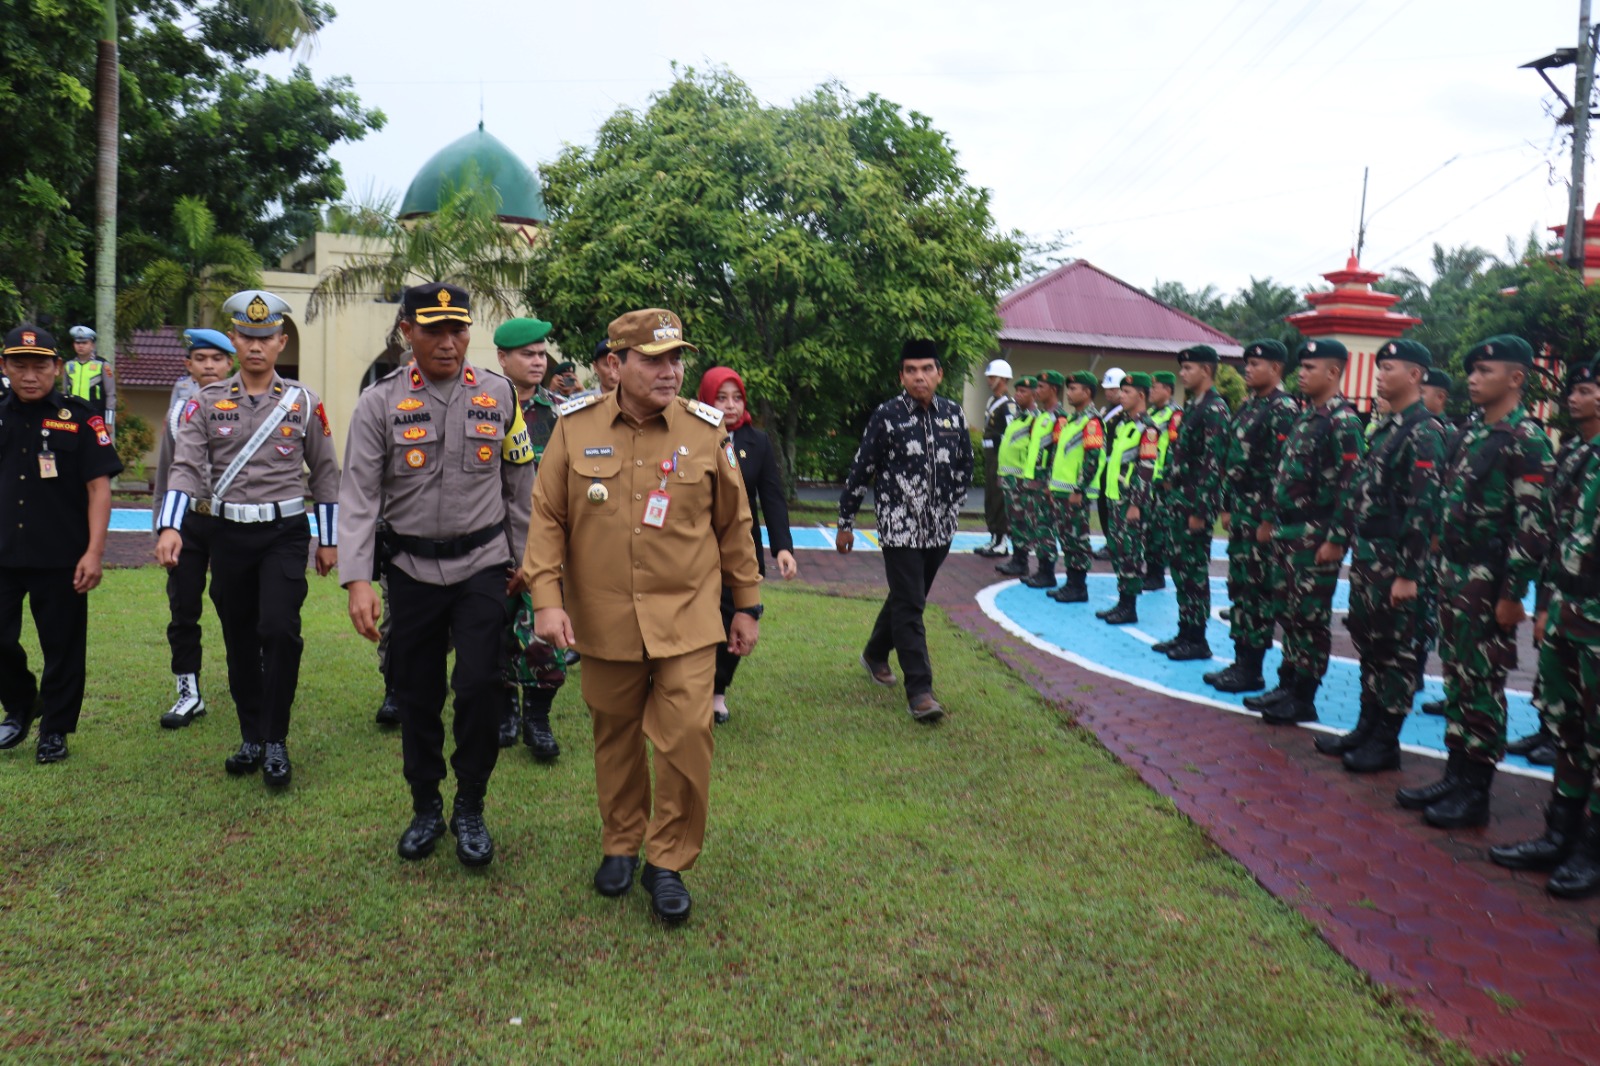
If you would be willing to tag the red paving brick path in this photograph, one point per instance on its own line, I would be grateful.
(1486, 953)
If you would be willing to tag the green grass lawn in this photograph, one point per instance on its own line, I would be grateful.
(994, 890)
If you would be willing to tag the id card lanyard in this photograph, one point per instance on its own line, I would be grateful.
(655, 506)
(47, 458)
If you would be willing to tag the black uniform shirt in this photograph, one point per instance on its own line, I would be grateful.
(45, 521)
(764, 486)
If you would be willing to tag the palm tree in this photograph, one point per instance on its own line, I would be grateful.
(188, 280)
(284, 23)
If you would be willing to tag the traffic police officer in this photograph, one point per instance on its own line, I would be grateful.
(1074, 481)
(242, 445)
(1010, 457)
(89, 378)
(439, 452)
(208, 359)
(1162, 385)
(640, 519)
(57, 462)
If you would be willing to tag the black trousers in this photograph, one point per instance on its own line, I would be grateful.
(910, 572)
(727, 662)
(425, 619)
(186, 590)
(258, 584)
(61, 615)
(995, 518)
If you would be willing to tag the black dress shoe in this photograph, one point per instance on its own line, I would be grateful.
(52, 748)
(275, 769)
(420, 837)
(669, 899)
(14, 730)
(389, 713)
(615, 875)
(247, 760)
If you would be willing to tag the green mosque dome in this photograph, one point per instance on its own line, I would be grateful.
(480, 151)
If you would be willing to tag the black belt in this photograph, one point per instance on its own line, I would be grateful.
(1584, 585)
(454, 548)
(1490, 553)
(1294, 515)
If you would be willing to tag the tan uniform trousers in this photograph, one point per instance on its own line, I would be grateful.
(669, 701)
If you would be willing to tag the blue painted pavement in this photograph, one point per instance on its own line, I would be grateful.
(1072, 632)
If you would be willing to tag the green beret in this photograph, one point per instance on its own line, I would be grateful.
(1438, 379)
(1053, 377)
(1322, 349)
(563, 368)
(520, 332)
(1407, 352)
(1267, 348)
(1198, 353)
(1501, 348)
(1138, 379)
(1024, 383)
(1083, 377)
(1579, 373)
(1165, 377)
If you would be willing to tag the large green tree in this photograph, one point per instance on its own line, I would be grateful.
(801, 244)
(186, 279)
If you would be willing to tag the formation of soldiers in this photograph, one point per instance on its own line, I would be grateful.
(1447, 529)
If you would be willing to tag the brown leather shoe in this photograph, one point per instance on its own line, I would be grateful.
(924, 708)
(879, 672)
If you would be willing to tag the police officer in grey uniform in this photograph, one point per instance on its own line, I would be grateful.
(438, 450)
(241, 447)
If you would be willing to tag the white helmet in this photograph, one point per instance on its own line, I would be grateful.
(1113, 378)
(998, 369)
(81, 333)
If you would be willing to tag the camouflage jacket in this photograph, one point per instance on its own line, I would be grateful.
(1391, 506)
(1320, 458)
(1575, 558)
(1566, 489)
(1255, 443)
(539, 415)
(1494, 511)
(1199, 439)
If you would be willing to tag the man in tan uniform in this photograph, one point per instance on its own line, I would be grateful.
(640, 496)
(439, 452)
(238, 455)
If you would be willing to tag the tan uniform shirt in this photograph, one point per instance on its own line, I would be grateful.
(632, 589)
(436, 461)
(214, 427)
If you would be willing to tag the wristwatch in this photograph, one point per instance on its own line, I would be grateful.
(754, 612)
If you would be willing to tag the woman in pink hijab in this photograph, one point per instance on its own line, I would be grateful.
(724, 389)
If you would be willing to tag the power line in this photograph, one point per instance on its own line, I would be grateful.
(1462, 214)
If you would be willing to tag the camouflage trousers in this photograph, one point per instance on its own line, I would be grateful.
(1126, 540)
(1041, 522)
(1428, 599)
(531, 663)
(1251, 616)
(1569, 680)
(1072, 529)
(1190, 561)
(1476, 654)
(1302, 602)
(1385, 635)
(1157, 531)
(1016, 513)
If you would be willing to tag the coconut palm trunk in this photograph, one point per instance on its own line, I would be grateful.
(107, 122)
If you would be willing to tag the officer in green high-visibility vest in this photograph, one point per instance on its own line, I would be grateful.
(1074, 477)
(1163, 383)
(88, 377)
(1009, 459)
(1130, 467)
(1035, 471)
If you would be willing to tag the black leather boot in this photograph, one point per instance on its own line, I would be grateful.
(275, 768)
(1563, 823)
(1076, 590)
(536, 723)
(1301, 706)
(1433, 707)
(1243, 675)
(1545, 753)
(427, 823)
(1468, 805)
(1339, 743)
(1379, 750)
(1161, 647)
(1044, 577)
(474, 847)
(1284, 689)
(1523, 745)
(1192, 645)
(389, 712)
(1579, 876)
(1416, 799)
(1018, 566)
(1126, 611)
(510, 718)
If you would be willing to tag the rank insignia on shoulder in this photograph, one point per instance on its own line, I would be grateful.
(416, 378)
(408, 404)
(322, 416)
(468, 376)
(577, 403)
(705, 411)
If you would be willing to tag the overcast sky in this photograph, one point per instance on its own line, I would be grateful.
(1207, 141)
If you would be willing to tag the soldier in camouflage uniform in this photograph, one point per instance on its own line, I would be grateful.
(1130, 470)
(1386, 518)
(1494, 535)
(535, 670)
(1157, 533)
(1013, 453)
(1036, 499)
(1194, 482)
(1074, 475)
(1435, 394)
(1561, 690)
(1255, 442)
(1320, 458)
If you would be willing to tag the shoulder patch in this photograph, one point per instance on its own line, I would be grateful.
(704, 411)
